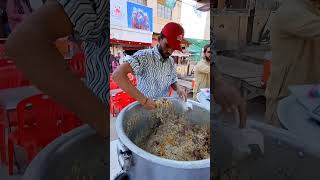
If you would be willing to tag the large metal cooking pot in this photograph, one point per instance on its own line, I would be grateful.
(79, 154)
(137, 164)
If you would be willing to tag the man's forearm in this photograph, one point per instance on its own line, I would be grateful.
(41, 62)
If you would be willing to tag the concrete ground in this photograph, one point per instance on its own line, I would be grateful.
(256, 109)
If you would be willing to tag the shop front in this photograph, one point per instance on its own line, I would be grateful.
(128, 40)
(130, 27)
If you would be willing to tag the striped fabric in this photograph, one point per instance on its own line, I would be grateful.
(91, 24)
(154, 74)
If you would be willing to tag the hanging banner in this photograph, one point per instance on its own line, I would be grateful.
(168, 3)
(162, 2)
(118, 13)
(139, 17)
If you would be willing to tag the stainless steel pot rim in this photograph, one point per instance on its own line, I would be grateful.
(153, 158)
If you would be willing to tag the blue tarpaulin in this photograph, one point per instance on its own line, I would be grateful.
(196, 47)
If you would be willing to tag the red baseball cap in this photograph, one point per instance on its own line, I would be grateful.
(174, 34)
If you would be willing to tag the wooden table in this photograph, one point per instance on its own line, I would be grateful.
(247, 76)
(188, 78)
(185, 84)
(258, 55)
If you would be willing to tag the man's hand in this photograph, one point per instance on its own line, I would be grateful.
(230, 100)
(148, 103)
(182, 93)
(227, 96)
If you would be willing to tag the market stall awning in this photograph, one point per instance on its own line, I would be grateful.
(196, 47)
(130, 43)
(181, 54)
(203, 5)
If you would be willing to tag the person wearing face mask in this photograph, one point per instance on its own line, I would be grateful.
(154, 68)
(202, 72)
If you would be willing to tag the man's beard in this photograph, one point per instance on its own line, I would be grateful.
(164, 56)
(207, 58)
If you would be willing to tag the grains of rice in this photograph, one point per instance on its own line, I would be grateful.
(176, 138)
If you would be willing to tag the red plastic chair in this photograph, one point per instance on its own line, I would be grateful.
(2, 52)
(114, 100)
(113, 85)
(77, 64)
(121, 100)
(69, 121)
(11, 78)
(3, 151)
(130, 99)
(7, 64)
(112, 108)
(38, 124)
(4, 118)
(170, 92)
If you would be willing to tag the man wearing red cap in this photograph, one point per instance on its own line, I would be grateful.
(154, 68)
